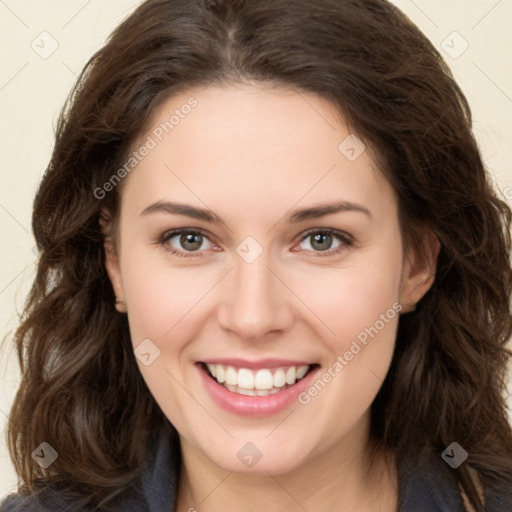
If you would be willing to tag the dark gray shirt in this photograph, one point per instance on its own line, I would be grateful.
(433, 489)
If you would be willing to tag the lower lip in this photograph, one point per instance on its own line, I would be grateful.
(254, 406)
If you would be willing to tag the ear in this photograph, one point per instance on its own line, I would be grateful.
(112, 259)
(419, 270)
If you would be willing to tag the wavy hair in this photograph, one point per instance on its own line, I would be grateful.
(81, 390)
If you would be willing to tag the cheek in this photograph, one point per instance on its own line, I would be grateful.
(161, 306)
(159, 297)
(352, 300)
(359, 307)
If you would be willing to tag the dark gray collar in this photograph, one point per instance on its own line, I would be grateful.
(161, 475)
(432, 488)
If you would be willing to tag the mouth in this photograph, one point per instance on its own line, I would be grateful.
(257, 382)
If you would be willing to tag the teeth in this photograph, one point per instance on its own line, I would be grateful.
(279, 378)
(302, 371)
(252, 392)
(248, 392)
(291, 375)
(245, 379)
(220, 374)
(231, 376)
(262, 382)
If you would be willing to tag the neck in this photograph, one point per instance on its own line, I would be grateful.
(344, 477)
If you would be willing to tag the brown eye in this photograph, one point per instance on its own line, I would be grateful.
(185, 241)
(321, 241)
(191, 241)
(325, 241)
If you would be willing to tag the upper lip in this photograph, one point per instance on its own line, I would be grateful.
(262, 363)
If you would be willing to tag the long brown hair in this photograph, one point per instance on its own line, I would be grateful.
(81, 390)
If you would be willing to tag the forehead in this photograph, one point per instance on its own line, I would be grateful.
(252, 145)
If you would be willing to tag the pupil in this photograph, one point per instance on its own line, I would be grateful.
(320, 239)
(192, 239)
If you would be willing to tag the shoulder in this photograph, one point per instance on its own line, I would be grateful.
(428, 488)
(11, 503)
(53, 500)
(154, 490)
(433, 487)
(47, 502)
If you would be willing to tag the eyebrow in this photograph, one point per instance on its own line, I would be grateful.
(294, 217)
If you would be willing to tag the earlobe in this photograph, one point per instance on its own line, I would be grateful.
(112, 265)
(419, 270)
(114, 274)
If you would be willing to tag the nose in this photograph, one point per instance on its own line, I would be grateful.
(255, 302)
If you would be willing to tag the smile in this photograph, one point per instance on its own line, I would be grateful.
(255, 389)
(262, 382)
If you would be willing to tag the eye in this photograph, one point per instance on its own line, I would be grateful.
(185, 241)
(325, 241)
(191, 242)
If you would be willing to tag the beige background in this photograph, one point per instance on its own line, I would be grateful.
(33, 89)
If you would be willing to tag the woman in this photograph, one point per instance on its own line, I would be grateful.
(273, 274)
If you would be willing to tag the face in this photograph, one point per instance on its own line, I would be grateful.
(254, 248)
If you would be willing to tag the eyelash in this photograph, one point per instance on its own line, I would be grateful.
(345, 239)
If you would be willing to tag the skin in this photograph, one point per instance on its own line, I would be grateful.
(252, 155)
